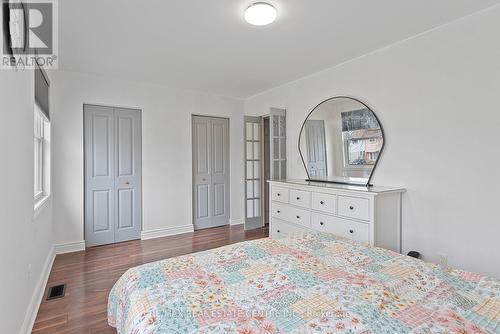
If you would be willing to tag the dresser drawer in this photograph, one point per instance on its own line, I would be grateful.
(354, 207)
(300, 198)
(323, 202)
(279, 194)
(291, 214)
(341, 227)
(281, 229)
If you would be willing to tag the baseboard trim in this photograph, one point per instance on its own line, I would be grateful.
(237, 221)
(165, 232)
(69, 247)
(38, 293)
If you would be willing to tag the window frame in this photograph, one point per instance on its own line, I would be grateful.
(41, 166)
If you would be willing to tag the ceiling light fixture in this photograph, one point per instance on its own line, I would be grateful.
(260, 14)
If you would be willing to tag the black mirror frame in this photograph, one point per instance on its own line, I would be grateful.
(368, 184)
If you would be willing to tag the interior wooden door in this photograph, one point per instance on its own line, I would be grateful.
(112, 174)
(277, 118)
(211, 193)
(253, 178)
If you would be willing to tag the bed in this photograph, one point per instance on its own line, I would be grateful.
(313, 283)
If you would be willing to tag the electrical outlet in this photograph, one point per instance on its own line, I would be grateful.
(443, 260)
(30, 271)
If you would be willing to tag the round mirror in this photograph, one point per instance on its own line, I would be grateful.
(341, 141)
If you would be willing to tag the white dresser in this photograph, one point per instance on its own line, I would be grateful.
(371, 215)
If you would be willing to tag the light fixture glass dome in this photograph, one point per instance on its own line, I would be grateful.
(260, 14)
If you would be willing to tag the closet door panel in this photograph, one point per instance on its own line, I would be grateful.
(128, 151)
(202, 178)
(99, 175)
(220, 171)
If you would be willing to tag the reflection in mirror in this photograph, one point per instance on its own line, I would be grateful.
(341, 141)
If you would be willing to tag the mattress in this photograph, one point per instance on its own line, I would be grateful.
(314, 283)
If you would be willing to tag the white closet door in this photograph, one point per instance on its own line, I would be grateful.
(253, 171)
(99, 175)
(220, 171)
(277, 119)
(128, 152)
(112, 174)
(210, 172)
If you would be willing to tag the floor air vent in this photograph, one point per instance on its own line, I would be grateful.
(56, 291)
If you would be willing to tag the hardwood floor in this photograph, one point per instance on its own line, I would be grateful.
(90, 275)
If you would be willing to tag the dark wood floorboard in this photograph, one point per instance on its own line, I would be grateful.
(90, 275)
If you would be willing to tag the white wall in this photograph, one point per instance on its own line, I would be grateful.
(26, 240)
(437, 98)
(166, 121)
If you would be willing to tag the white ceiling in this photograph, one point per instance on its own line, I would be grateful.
(206, 45)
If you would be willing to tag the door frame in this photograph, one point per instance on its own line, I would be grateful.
(192, 165)
(265, 159)
(83, 160)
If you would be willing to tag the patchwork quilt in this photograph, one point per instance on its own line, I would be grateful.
(315, 283)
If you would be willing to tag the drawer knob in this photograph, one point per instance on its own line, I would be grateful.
(351, 231)
(278, 211)
(298, 217)
(278, 194)
(321, 223)
(321, 202)
(298, 198)
(351, 208)
(278, 231)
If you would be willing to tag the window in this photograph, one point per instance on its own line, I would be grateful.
(362, 138)
(41, 138)
(41, 141)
